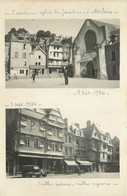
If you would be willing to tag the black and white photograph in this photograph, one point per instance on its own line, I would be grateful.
(54, 143)
(63, 98)
(62, 53)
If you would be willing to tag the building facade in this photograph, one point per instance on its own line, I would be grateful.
(112, 52)
(19, 57)
(70, 166)
(38, 60)
(116, 158)
(23, 55)
(99, 147)
(42, 137)
(89, 52)
(38, 140)
(55, 56)
(7, 59)
(66, 54)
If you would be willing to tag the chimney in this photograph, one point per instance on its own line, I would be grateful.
(41, 40)
(88, 123)
(12, 36)
(78, 125)
(66, 123)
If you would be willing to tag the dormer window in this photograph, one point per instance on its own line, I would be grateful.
(113, 38)
(24, 46)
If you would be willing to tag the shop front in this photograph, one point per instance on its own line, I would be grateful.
(70, 166)
(38, 69)
(85, 166)
(52, 164)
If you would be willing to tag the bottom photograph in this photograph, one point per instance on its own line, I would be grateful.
(45, 143)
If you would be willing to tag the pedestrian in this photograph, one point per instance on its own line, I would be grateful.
(66, 75)
(33, 76)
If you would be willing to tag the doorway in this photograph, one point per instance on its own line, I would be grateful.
(91, 71)
(26, 72)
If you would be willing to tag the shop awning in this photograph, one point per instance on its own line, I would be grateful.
(39, 156)
(71, 163)
(87, 163)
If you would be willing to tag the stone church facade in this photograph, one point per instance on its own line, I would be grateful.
(89, 53)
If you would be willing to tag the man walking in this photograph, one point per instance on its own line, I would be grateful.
(33, 76)
(66, 75)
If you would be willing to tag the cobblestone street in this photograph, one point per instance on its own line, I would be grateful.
(59, 83)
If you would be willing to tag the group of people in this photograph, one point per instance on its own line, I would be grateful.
(65, 72)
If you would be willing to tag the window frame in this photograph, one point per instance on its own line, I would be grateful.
(16, 55)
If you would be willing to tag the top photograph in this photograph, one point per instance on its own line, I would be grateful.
(62, 53)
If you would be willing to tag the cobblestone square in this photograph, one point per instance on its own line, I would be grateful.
(59, 83)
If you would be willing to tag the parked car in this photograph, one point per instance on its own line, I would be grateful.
(33, 171)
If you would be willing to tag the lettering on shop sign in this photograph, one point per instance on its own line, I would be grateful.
(63, 12)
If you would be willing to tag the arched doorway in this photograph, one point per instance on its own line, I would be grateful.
(91, 71)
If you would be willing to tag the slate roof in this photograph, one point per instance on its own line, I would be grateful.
(89, 131)
(55, 43)
(115, 32)
(110, 27)
(99, 24)
(34, 48)
(115, 139)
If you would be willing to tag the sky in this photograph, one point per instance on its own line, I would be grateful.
(106, 121)
(66, 27)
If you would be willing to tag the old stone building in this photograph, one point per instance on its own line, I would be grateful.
(37, 139)
(116, 156)
(42, 137)
(70, 166)
(91, 49)
(19, 57)
(55, 56)
(38, 60)
(99, 146)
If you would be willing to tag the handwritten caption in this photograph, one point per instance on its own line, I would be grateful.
(63, 12)
(89, 92)
(25, 104)
(80, 183)
(82, 92)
